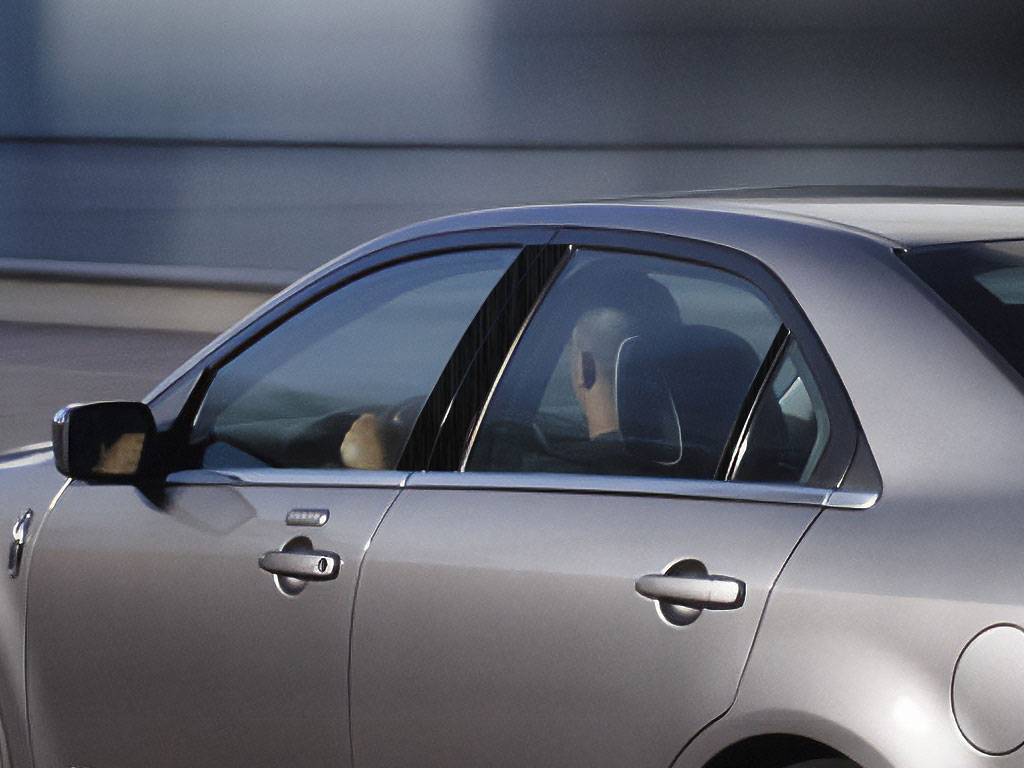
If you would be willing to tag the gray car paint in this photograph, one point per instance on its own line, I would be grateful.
(152, 632)
(29, 481)
(861, 633)
(503, 628)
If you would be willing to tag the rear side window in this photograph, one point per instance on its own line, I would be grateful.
(639, 365)
(788, 429)
(984, 283)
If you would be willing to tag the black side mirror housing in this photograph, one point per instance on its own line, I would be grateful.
(107, 442)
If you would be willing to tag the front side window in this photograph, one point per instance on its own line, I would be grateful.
(341, 383)
(639, 365)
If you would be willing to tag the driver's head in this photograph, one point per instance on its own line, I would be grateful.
(594, 348)
(616, 304)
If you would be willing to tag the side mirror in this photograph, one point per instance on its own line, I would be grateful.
(103, 442)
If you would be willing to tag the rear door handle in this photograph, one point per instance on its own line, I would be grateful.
(716, 593)
(307, 565)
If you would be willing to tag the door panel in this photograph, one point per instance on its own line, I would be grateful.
(154, 637)
(503, 628)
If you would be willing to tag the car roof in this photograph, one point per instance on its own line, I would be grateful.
(896, 217)
(905, 216)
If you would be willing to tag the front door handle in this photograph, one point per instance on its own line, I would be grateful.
(18, 543)
(716, 593)
(306, 565)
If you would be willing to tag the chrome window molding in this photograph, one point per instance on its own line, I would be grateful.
(324, 478)
(840, 499)
(771, 493)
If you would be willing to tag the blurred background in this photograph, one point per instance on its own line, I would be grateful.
(165, 166)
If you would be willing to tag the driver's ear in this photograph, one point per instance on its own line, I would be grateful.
(588, 370)
(575, 369)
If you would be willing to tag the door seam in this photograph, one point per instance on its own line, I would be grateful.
(753, 641)
(352, 617)
(26, 570)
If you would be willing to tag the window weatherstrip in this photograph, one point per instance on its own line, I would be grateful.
(840, 499)
(730, 452)
(768, 493)
(310, 478)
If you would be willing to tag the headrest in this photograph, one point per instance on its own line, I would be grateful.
(648, 420)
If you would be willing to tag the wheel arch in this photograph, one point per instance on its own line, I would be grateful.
(785, 736)
(772, 750)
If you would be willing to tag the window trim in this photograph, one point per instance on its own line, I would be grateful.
(600, 485)
(297, 478)
(631, 485)
(727, 464)
(845, 432)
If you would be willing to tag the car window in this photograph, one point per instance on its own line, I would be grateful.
(636, 365)
(984, 283)
(341, 383)
(788, 429)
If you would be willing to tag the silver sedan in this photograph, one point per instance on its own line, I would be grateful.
(722, 480)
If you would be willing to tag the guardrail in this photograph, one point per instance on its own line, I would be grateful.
(165, 275)
(145, 296)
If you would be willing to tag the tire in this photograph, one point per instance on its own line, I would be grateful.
(827, 762)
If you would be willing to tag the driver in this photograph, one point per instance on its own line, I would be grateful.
(594, 347)
(614, 307)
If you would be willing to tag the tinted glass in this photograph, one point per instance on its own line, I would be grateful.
(984, 283)
(341, 383)
(789, 428)
(632, 365)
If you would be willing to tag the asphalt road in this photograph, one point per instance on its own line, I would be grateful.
(43, 367)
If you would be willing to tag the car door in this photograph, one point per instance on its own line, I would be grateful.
(585, 586)
(206, 622)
